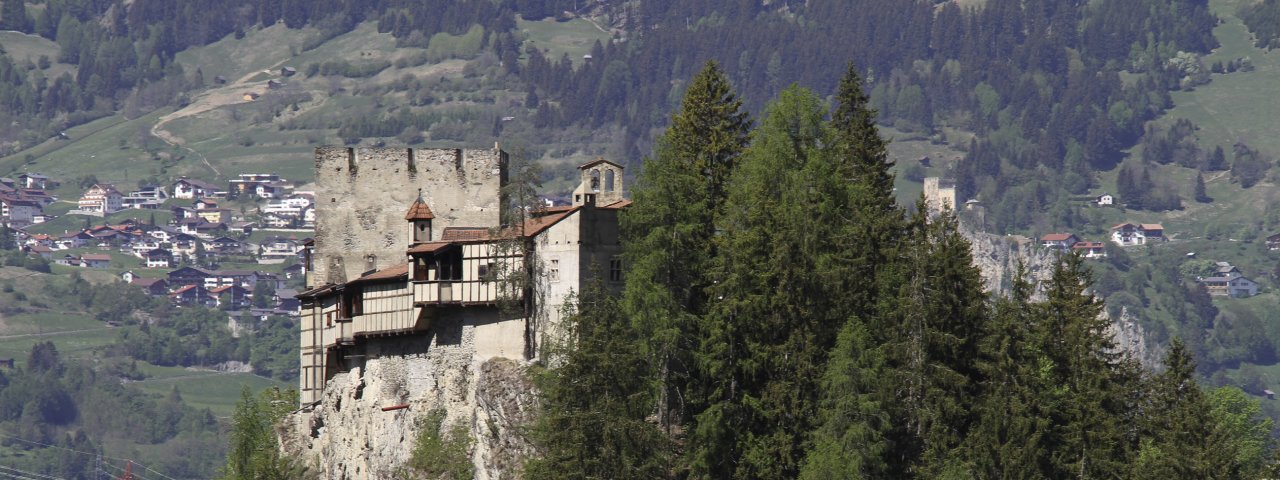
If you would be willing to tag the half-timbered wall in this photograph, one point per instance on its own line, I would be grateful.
(387, 307)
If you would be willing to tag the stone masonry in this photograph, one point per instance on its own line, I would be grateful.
(361, 194)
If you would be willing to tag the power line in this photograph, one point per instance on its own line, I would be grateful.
(144, 467)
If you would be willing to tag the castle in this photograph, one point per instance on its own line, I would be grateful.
(412, 254)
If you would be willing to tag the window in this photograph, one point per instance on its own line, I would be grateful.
(487, 269)
(615, 269)
(595, 180)
(554, 271)
(608, 180)
(419, 269)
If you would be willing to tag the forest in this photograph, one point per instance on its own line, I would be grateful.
(805, 325)
(1021, 85)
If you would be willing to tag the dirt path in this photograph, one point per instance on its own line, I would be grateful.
(50, 334)
(229, 94)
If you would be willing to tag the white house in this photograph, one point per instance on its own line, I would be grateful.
(101, 199)
(187, 188)
(1127, 234)
(1058, 241)
(1105, 199)
(1090, 249)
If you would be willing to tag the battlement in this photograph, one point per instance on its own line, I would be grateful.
(361, 195)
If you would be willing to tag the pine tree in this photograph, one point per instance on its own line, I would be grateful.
(850, 443)
(935, 319)
(768, 331)
(668, 232)
(1181, 436)
(1006, 438)
(594, 403)
(1093, 381)
(1200, 194)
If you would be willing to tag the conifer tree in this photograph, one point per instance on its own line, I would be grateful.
(850, 443)
(1182, 438)
(1092, 380)
(1200, 194)
(594, 403)
(668, 232)
(1006, 438)
(933, 321)
(768, 331)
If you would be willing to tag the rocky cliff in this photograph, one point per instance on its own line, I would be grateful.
(366, 422)
(997, 256)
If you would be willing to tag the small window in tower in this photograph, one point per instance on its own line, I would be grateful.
(595, 180)
(615, 269)
(554, 271)
(608, 180)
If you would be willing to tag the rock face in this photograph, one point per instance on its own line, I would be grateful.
(998, 256)
(348, 435)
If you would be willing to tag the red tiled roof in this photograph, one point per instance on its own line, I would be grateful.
(618, 205)
(419, 211)
(389, 273)
(429, 247)
(1152, 226)
(182, 290)
(1056, 237)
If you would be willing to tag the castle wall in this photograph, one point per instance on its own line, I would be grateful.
(363, 193)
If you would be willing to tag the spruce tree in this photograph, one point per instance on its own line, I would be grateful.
(934, 321)
(1009, 422)
(1181, 435)
(668, 233)
(594, 402)
(769, 330)
(850, 443)
(1200, 194)
(1093, 382)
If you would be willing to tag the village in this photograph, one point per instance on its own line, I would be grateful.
(248, 262)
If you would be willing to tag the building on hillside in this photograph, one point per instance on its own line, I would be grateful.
(1237, 287)
(1090, 249)
(247, 183)
(1059, 241)
(148, 197)
(95, 260)
(152, 286)
(1273, 242)
(1105, 200)
(444, 278)
(16, 212)
(101, 199)
(188, 188)
(158, 258)
(193, 295)
(1127, 234)
(37, 181)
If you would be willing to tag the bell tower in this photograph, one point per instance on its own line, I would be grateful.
(419, 218)
(601, 183)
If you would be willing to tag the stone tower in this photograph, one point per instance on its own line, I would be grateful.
(601, 183)
(362, 193)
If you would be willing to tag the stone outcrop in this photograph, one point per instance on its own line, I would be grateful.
(349, 435)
